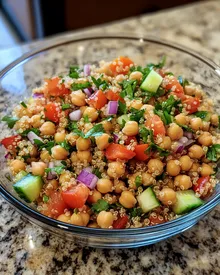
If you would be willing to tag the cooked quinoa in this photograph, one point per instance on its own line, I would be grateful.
(114, 146)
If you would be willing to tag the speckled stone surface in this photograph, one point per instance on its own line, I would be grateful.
(27, 249)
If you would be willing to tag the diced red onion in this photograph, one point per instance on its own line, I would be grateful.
(51, 175)
(88, 169)
(112, 108)
(86, 70)
(115, 137)
(179, 148)
(87, 178)
(32, 136)
(37, 95)
(88, 91)
(75, 115)
(188, 134)
(183, 140)
(8, 156)
(189, 142)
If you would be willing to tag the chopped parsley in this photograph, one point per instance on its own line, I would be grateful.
(97, 173)
(135, 212)
(160, 65)
(202, 114)
(58, 169)
(96, 131)
(186, 128)
(23, 104)
(136, 115)
(86, 119)
(109, 118)
(34, 130)
(129, 87)
(100, 205)
(10, 121)
(100, 83)
(66, 106)
(138, 181)
(74, 72)
(122, 109)
(48, 146)
(80, 86)
(146, 134)
(65, 145)
(155, 148)
(213, 152)
(45, 198)
(183, 82)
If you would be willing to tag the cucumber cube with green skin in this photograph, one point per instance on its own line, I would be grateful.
(147, 200)
(152, 82)
(123, 118)
(186, 201)
(29, 187)
(20, 175)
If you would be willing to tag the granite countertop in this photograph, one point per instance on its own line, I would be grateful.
(27, 249)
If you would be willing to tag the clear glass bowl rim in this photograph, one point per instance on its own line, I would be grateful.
(27, 211)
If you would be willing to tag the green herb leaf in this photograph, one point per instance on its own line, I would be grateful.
(80, 86)
(86, 119)
(34, 130)
(165, 116)
(122, 109)
(138, 181)
(155, 148)
(186, 128)
(58, 169)
(183, 82)
(136, 115)
(135, 212)
(45, 198)
(65, 145)
(100, 205)
(109, 118)
(97, 173)
(213, 152)
(66, 106)
(74, 72)
(100, 83)
(129, 87)
(146, 135)
(23, 104)
(160, 65)
(10, 121)
(96, 131)
(48, 146)
(201, 114)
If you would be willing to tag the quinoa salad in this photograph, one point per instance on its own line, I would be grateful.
(114, 146)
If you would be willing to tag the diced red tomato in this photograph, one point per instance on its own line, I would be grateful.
(76, 196)
(156, 124)
(200, 187)
(120, 223)
(10, 143)
(139, 151)
(118, 151)
(156, 219)
(52, 112)
(129, 139)
(54, 89)
(55, 205)
(97, 100)
(171, 83)
(192, 104)
(113, 96)
(121, 65)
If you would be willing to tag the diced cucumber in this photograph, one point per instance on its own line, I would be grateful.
(20, 175)
(147, 200)
(152, 82)
(186, 201)
(29, 187)
(122, 119)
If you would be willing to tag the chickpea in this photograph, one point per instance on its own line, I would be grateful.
(127, 199)
(205, 139)
(17, 166)
(83, 144)
(195, 167)
(183, 181)
(136, 76)
(185, 163)
(104, 185)
(84, 156)
(71, 138)
(33, 151)
(175, 132)
(173, 167)
(116, 169)
(48, 128)
(45, 156)
(205, 126)
(206, 170)
(214, 119)
(38, 168)
(137, 104)
(82, 109)
(96, 195)
(131, 128)
(91, 113)
(147, 179)
(59, 137)
(196, 151)
(59, 153)
(166, 143)
(167, 196)
(36, 121)
(196, 123)
(119, 186)
(107, 125)
(64, 218)
(93, 225)
(149, 109)
(105, 219)
(102, 141)
(65, 177)
(74, 157)
(181, 119)
(85, 218)
(77, 219)
(132, 179)
(155, 166)
(189, 90)
(78, 98)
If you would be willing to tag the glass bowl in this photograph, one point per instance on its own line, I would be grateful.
(20, 77)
